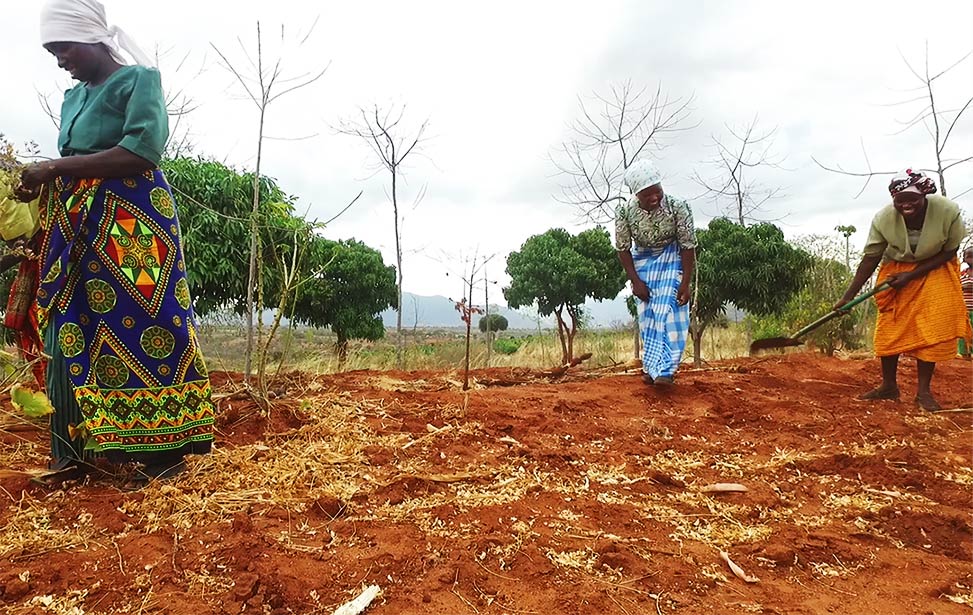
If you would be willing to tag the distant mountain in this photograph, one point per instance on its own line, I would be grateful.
(439, 311)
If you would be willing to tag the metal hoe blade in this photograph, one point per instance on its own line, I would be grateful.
(774, 342)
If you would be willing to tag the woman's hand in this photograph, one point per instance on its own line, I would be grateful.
(37, 174)
(683, 295)
(640, 290)
(898, 280)
(26, 195)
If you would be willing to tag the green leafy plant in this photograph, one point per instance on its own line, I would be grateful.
(558, 271)
(752, 267)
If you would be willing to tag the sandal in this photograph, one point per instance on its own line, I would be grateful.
(928, 403)
(59, 471)
(665, 380)
(881, 393)
(647, 379)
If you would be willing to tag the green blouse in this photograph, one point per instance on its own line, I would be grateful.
(942, 229)
(127, 110)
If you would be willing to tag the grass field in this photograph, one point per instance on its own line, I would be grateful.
(313, 351)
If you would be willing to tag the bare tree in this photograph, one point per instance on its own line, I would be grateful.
(392, 142)
(940, 124)
(614, 130)
(737, 157)
(264, 85)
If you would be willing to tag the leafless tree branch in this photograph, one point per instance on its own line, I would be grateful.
(612, 130)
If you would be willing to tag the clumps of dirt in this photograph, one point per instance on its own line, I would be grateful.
(585, 495)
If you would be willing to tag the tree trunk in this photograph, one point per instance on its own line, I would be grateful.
(399, 364)
(571, 333)
(341, 347)
(252, 275)
(466, 363)
(697, 334)
(637, 340)
(562, 330)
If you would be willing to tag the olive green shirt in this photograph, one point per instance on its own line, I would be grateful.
(127, 110)
(942, 229)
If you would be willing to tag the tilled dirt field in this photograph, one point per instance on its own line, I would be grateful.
(584, 495)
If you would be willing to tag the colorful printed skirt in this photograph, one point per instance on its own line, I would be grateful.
(925, 317)
(664, 323)
(113, 286)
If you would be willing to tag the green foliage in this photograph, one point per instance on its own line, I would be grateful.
(215, 203)
(557, 270)
(493, 323)
(824, 281)
(752, 267)
(350, 289)
(33, 404)
(507, 345)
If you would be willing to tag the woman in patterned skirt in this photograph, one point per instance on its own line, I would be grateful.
(126, 376)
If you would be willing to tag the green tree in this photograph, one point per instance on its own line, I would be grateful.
(558, 271)
(493, 323)
(752, 267)
(825, 279)
(214, 216)
(352, 288)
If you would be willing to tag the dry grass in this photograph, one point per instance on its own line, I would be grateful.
(444, 349)
(38, 527)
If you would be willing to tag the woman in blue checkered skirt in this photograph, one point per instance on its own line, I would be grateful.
(656, 242)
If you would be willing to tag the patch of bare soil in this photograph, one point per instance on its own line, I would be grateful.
(532, 493)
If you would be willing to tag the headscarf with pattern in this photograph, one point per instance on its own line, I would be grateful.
(640, 175)
(84, 21)
(912, 181)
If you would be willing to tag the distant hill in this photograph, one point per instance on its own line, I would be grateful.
(439, 311)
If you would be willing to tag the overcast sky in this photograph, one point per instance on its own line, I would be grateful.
(499, 83)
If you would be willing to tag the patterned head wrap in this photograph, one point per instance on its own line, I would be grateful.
(912, 181)
(640, 175)
(84, 21)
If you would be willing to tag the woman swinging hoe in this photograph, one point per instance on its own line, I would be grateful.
(656, 242)
(916, 239)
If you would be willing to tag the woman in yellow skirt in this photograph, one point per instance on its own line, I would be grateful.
(915, 239)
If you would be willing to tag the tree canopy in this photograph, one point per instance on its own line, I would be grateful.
(557, 271)
(352, 286)
(752, 267)
(214, 211)
(493, 323)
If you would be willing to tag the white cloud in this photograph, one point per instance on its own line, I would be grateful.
(499, 83)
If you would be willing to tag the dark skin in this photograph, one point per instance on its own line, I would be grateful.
(650, 199)
(91, 64)
(912, 207)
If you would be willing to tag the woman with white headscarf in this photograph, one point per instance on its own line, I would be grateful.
(915, 238)
(656, 242)
(126, 376)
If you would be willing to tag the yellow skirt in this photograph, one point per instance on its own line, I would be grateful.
(925, 317)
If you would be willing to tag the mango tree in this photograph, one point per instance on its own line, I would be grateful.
(752, 267)
(352, 286)
(559, 271)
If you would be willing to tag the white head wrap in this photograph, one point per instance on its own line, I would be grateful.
(640, 175)
(84, 21)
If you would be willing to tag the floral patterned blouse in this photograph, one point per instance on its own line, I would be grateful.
(671, 221)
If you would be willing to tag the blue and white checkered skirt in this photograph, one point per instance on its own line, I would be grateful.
(663, 322)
